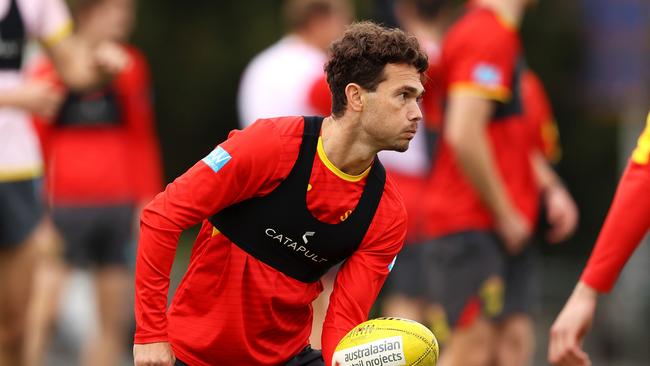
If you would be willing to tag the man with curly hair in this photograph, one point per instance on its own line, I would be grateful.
(281, 202)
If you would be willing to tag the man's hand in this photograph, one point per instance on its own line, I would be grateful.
(513, 229)
(561, 214)
(84, 65)
(570, 327)
(153, 354)
(111, 58)
(37, 97)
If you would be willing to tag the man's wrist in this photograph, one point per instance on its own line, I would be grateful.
(150, 339)
(10, 98)
(553, 184)
(583, 290)
(504, 212)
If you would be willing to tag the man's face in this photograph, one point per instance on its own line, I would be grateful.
(391, 113)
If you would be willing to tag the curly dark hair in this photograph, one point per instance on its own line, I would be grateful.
(360, 56)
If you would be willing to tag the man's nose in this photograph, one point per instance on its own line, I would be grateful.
(414, 113)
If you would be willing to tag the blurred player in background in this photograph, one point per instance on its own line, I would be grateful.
(626, 224)
(516, 342)
(287, 79)
(279, 81)
(488, 183)
(281, 202)
(102, 165)
(24, 235)
(426, 19)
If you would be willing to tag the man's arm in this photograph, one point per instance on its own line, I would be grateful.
(36, 97)
(359, 281)
(627, 222)
(465, 131)
(570, 327)
(239, 168)
(561, 210)
(83, 66)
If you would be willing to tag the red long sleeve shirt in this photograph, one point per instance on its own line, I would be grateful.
(627, 222)
(230, 308)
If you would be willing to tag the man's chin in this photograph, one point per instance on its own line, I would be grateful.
(402, 147)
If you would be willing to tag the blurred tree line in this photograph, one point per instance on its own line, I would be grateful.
(198, 49)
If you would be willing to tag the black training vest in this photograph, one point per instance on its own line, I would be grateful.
(279, 230)
(12, 39)
(90, 109)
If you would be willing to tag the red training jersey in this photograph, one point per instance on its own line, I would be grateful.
(108, 164)
(230, 308)
(627, 222)
(481, 56)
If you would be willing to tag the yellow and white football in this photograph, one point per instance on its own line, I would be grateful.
(387, 342)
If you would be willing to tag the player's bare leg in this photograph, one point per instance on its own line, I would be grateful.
(49, 274)
(470, 346)
(9, 339)
(16, 276)
(113, 286)
(516, 343)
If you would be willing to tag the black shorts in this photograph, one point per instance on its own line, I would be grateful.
(406, 277)
(98, 235)
(523, 290)
(21, 209)
(307, 357)
(472, 268)
(463, 268)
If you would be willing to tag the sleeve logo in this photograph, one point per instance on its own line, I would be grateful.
(392, 264)
(217, 159)
(487, 75)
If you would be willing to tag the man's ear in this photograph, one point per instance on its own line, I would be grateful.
(354, 94)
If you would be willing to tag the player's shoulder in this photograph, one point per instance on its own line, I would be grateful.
(270, 57)
(290, 54)
(481, 26)
(266, 141)
(284, 126)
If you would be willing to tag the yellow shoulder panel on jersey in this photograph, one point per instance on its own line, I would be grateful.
(641, 154)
